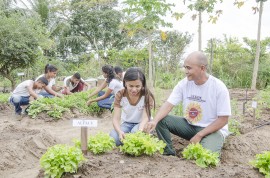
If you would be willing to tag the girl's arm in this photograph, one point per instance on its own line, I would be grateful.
(145, 119)
(106, 94)
(49, 90)
(56, 88)
(116, 122)
(101, 87)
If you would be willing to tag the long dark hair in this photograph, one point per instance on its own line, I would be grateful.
(135, 73)
(108, 69)
(50, 68)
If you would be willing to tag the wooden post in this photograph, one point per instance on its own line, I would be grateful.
(84, 140)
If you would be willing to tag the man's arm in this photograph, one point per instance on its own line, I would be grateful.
(86, 84)
(215, 126)
(162, 112)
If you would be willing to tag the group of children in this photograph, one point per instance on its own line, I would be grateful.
(127, 93)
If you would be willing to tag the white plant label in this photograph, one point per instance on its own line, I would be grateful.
(254, 104)
(84, 123)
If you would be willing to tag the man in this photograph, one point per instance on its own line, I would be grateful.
(73, 84)
(21, 95)
(206, 106)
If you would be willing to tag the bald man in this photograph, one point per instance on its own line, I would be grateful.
(206, 106)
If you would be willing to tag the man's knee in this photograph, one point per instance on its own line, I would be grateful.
(213, 142)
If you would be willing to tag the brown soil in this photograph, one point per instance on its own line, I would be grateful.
(23, 142)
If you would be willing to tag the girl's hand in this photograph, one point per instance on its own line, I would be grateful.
(121, 135)
(89, 102)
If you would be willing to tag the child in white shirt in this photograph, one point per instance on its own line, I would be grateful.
(132, 105)
(20, 96)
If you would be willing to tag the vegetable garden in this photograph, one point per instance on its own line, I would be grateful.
(32, 140)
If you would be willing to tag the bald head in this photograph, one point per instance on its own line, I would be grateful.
(197, 57)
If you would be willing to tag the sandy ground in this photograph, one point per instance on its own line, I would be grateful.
(22, 143)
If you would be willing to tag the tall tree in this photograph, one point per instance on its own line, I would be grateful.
(147, 17)
(22, 40)
(98, 23)
(257, 58)
(170, 48)
(201, 6)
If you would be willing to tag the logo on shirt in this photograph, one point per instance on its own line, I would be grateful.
(193, 112)
(196, 98)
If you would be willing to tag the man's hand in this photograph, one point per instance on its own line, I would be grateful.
(196, 139)
(150, 126)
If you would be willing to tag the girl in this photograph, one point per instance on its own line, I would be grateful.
(114, 83)
(119, 72)
(50, 90)
(135, 100)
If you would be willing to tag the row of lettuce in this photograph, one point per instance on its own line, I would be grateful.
(61, 159)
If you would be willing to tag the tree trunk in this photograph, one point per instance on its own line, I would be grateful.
(258, 50)
(95, 43)
(200, 32)
(12, 81)
(150, 72)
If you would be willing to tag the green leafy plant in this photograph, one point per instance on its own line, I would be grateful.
(203, 157)
(4, 98)
(262, 162)
(234, 126)
(60, 159)
(99, 143)
(55, 107)
(140, 143)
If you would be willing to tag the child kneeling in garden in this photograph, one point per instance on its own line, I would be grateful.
(21, 95)
(73, 84)
(132, 105)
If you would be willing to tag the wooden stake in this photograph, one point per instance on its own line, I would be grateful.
(84, 140)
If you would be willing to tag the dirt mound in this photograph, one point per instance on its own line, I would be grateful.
(23, 142)
(5, 107)
(21, 148)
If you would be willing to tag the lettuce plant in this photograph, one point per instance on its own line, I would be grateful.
(203, 156)
(262, 162)
(97, 144)
(140, 143)
(60, 159)
(100, 143)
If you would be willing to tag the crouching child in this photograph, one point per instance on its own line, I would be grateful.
(21, 95)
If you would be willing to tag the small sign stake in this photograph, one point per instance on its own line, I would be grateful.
(84, 124)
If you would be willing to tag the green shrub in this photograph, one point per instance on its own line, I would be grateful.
(4, 98)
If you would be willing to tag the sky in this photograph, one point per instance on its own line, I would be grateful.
(233, 22)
